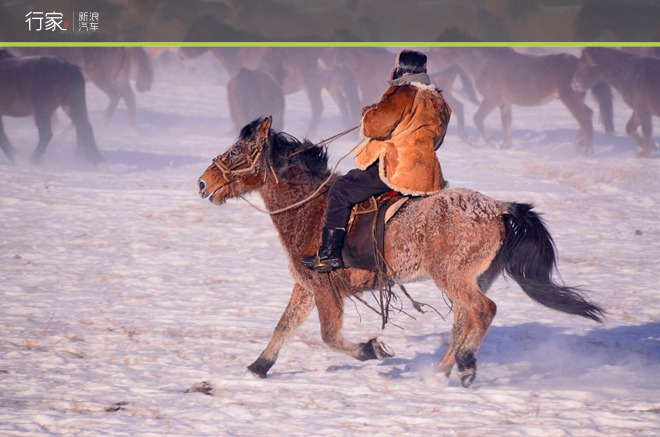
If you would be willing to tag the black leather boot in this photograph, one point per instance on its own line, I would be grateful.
(328, 257)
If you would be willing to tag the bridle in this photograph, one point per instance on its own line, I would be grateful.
(233, 172)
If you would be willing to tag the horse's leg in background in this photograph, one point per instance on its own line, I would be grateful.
(507, 120)
(646, 120)
(298, 309)
(574, 102)
(75, 107)
(631, 128)
(487, 106)
(444, 81)
(345, 92)
(313, 86)
(458, 113)
(124, 84)
(5, 145)
(42, 120)
(108, 86)
(331, 317)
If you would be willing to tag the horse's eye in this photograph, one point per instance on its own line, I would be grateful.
(233, 152)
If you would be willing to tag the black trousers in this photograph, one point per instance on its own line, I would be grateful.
(354, 187)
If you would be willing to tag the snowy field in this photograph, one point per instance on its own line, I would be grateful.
(121, 289)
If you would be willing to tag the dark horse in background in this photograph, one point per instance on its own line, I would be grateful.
(505, 77)
(636, 78)
(459, 238)
(252, 92)
(109, 68)
(38, 85)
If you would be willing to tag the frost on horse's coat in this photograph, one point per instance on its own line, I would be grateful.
(459, 238)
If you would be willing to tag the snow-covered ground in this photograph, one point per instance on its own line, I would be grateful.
(121, 289)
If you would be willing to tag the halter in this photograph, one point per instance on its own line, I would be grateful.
(252, 161)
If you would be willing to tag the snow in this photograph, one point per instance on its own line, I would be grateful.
(121, 290)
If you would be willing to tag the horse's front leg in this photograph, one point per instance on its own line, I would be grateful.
(507, 121)
(487, 106)
(42, 119)
(298, 309)
(331, 316)
(5, 145)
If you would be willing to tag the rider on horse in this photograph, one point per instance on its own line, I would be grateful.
(403, 131)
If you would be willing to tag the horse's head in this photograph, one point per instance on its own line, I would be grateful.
(586, 75)
(241, 168)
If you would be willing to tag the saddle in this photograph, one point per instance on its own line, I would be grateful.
(365, 233)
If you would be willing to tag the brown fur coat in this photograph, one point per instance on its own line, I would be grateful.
(403, 131)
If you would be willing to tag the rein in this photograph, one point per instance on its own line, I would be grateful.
(234, 172)
(308, 198)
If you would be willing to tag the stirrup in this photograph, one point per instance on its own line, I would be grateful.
(315, 263)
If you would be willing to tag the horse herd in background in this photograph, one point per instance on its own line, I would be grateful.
(36, 81)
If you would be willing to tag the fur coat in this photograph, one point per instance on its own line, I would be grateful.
(403, 131)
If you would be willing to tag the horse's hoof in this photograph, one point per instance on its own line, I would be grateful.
(258, 370)
(467, 377)
(381, 349)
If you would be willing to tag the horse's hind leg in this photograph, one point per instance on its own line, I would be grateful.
(473, 313)
(574, 102)
(42, 119)
(298, 309)
(331, 317)
(5, 145)
(631, 128)
(646, 120)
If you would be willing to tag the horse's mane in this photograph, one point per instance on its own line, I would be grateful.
(281, 155)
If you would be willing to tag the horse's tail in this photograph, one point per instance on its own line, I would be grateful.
(603, 94)
(466, 80)
(528, 256)
(145, 73)
(77, 110)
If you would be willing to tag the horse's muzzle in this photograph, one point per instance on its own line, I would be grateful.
(202, 188)
(577, 87)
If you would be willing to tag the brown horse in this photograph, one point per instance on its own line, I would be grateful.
(371, 67)
(636, 78)
(505, 77)
(109, 68)
(459, 238)
(302, 71)
(38, 85)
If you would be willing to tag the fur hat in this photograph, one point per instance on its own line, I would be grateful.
(409, 61)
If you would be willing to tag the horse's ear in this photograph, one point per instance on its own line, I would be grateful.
(262, 130)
